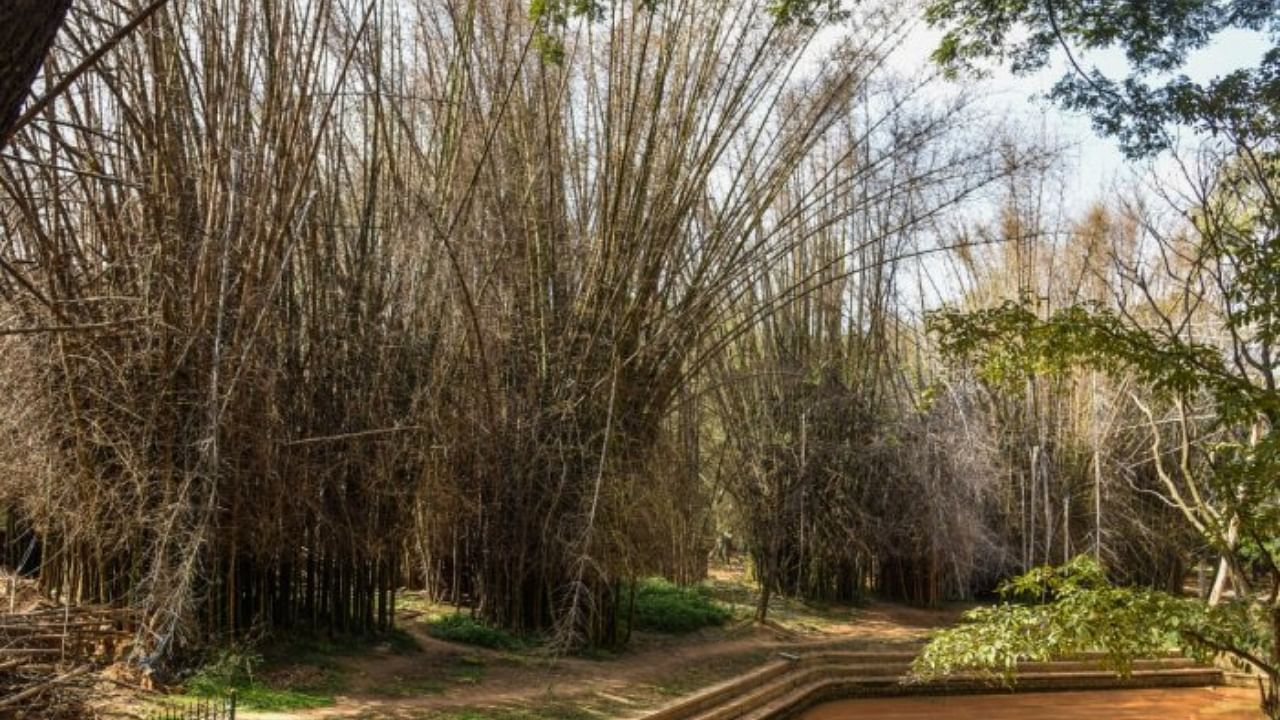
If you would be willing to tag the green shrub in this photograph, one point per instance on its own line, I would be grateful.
(232, 667)
(307, 647)
(237, 669)
(662, 606)
(465, 629)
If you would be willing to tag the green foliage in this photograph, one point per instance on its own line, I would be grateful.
(230, 667)
(662, 606)
(320, 648)
(807, 13)
(1010, 342)
(238, 669)
(558, 12)
(1155, 37)
(551, 17)
(1235, 480)
(461, 628)
(1055, 611)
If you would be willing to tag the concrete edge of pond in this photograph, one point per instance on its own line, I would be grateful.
(784, 688)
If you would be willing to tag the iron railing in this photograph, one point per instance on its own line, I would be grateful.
(217, 708)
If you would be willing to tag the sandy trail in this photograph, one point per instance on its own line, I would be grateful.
(628, 679)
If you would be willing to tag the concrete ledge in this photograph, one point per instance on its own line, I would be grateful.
(833, 689)
(706, 699)
(781, 689)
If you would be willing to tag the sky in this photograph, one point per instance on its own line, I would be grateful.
(1094, 163)
(1094, 168)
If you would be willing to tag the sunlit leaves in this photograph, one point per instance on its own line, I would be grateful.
(1006, 345)
(550, 18)
(1008, 342)
(808, 13)
(1052, 612)
(559, 12)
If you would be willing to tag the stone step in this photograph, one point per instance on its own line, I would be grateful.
(902, 665)
(720, 693)
(761, 690)
(1164, 663)
(771, 686)
(819, 690)
(717, 694)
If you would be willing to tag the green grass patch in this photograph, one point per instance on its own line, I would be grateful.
(663, 606)
(467, 630)
(297, 672)
(256, 696)
(300, 647)
(238, 669)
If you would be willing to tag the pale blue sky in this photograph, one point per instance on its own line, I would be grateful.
(1095, 163)
(1094, 168)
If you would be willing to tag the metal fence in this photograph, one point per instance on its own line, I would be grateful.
(220, 708)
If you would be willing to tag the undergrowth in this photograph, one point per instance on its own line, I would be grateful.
(242, 670)
(663, 606)
(294, 674)
(465, 629)
(301, 646)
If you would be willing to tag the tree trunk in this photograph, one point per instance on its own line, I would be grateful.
(1228, 569)
(27, 29)
(762, 606)
(1271, 686)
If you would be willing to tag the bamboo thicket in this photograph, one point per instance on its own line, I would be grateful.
(306, 299)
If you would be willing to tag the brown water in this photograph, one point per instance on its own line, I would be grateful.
(1164, 704)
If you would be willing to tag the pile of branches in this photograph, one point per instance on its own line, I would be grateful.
(34, 692)
(48, 656)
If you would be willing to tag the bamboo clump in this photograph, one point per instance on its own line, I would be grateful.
(307, 300)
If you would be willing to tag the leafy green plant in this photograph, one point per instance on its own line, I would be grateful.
(663, 606)
(228, 668)
(1058, 611)
(238, 669)
(465, 629)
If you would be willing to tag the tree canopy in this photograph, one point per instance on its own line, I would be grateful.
(1050, 612)
(1156, 38)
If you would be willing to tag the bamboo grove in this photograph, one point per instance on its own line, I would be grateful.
(306, 301)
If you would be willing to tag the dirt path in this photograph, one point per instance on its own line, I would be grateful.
(655, 670)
